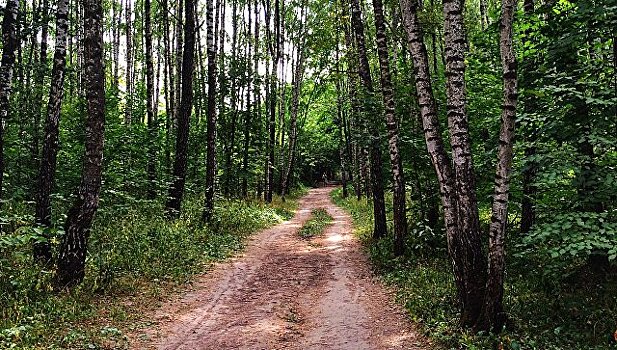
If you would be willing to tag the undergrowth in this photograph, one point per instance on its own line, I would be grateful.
(569, 312)
(135, 258)
(320, 219)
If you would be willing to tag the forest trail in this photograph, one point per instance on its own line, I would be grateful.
(286, 292)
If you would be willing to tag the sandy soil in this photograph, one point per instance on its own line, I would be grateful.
(286, 292)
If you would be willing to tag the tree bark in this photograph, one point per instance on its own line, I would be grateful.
(211, 123)
(493, 316)
(128, 113)
(398, 178)
(116, 42)
(72, 257)
(528, 211)
(176, 190)
(47, 170)
(40, 78)
(248, 114)
(379, 207)
(463, 245)
(10, 42)
(483, 14)
(354, 147)
(179, 61)
(231, 127)
(150, 108)
(468, 221)
(293, 122)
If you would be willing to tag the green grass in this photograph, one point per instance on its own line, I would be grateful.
(320, 219)
(577, 311)
(135, 259)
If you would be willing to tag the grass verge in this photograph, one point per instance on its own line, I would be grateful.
(578, 311)
(136, 258)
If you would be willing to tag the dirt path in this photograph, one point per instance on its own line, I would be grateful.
(285, 292)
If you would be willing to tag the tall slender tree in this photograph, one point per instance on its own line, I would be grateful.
(364, 70)
(128, 28)
(493, 316)
(47, 169)
(396, 163)
(10, 42)
(150, 108)
(463, 265)
(293, 122)
(211, 117)
(176, 190)
(72, 256)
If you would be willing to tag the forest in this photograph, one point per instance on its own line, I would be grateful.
(469, 147)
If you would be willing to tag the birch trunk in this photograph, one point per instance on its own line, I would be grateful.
(379, 207)
(396, 164)
(10, 42)
(128, 113)
(468, 221)
(72, 256)
(47, 170)
(493, 316)
(150, 108)
(176, 190)
(468, 271)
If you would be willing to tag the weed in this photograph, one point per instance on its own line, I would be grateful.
(320, 219)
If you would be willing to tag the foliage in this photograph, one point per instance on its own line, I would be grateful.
(570, 238)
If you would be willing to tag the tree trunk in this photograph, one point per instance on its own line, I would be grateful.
(179, 61)
(293, 122)
(248, 114)
(351, 87)
(117, 10)
(47, 170)
(176, 190)
(128, 113)
(271, 132)
(483, 15)
(465, 252)
(72, 257)
(341, 120)
(399, 198)
(528, 211)
(10, 42)
(231, 137)
(40, 78)
(468, 221)
(379, 207)
(150, 108)
(257, 81)
(493, 317)
(211, 123)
